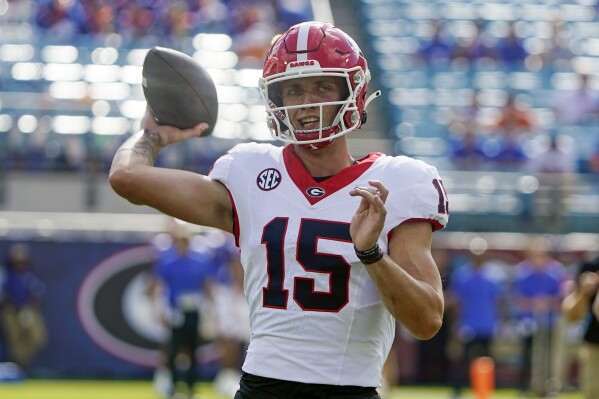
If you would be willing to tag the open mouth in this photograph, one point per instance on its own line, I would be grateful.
(309, 123)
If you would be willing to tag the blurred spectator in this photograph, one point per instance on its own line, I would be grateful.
(232, 325)
(555, 168)
(578, 305)
(506, 153)
(210, 15)
(22, 319)
(254, 26)
(515, 118)
(556, 52)
(477, 46)
(579, 105)
(538, 293)
(510, 49)
(61, 19)
(100, 17)
(182, 274)
(467, 117)
(467, 151)
(475, 294)
(178, 20)
(554, 158)
(438, 50)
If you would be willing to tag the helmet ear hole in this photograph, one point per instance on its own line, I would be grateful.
(364, 116)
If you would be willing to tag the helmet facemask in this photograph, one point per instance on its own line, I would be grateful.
(315, 49)
(347, 117)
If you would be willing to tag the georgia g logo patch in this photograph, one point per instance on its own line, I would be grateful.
(268, 179)
(315, 192)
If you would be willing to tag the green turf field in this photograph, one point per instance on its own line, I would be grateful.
(38, 389)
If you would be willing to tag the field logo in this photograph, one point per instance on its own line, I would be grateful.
(115, 310)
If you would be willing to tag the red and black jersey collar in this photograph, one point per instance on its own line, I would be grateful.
(315, 191)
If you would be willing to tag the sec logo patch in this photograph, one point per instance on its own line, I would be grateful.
(268, 179)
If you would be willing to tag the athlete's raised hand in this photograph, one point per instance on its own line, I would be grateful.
(369, 219)
(169, 134)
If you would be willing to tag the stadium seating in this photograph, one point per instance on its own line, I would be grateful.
(57, 82)
(423, 93)
(67, 104)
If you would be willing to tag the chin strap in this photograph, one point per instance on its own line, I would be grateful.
(372, 97)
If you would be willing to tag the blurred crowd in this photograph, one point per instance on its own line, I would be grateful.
(198, 296)
(133, 24)
(506, 133)
(534, 315)
(535, 312)
(486, 44)
(251, 22)
(496, 131)
(512, 138)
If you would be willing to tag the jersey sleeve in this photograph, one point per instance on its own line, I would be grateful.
(232, 167)
(229, 170)
(220, 169)
(431, 202)
(420, 196)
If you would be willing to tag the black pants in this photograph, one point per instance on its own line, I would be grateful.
(185, 339)
(475, 347)
(255, 387)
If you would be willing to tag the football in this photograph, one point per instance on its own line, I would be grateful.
(178, 90)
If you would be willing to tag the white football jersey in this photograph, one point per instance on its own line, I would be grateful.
(316, 316)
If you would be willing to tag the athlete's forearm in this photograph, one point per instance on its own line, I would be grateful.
(141, 148)
(135, 154)
(415, 303)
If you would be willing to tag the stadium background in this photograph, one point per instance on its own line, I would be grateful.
(70, 94)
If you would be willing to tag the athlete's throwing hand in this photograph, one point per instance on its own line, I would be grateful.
(169, 134)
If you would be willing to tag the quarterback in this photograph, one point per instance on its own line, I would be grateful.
(334, 249)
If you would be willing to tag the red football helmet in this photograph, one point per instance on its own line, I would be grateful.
(315, 49)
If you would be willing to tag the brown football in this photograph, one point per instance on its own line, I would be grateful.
(178, 90)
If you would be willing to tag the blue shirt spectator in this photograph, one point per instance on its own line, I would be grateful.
(183, 273)
(508, 154)
(477, 296)
(510, 50)
(476, 293)
(22, 287)
(467, 152)
(538, 293)
(538, 290)
(438, 50)
(21, 317)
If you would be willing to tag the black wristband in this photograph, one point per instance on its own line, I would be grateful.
(371, 255)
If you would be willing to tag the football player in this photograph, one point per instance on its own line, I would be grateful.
(334, 249)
